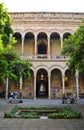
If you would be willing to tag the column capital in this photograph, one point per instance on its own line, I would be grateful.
(49, 75)
(22, 36)
(63, 74)
(61, 36)
(48, 36)
(35, 75)
(35, 37)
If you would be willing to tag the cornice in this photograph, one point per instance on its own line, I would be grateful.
(41, 16)
(46, 19)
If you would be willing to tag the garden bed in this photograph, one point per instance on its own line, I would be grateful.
(36, 112)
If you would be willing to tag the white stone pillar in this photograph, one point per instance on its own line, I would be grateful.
(22, 44)
(77, 83)
(7, 81)
(34, 86)
(20, 82)
(61, 38)
(63, 83)
(48, 47)
(49, 95)
(35, 51)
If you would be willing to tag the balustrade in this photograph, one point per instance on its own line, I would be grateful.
(43, 56)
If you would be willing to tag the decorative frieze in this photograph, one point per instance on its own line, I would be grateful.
(45, 19)
(40, 16)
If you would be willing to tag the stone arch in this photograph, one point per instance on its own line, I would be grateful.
(69, 81)
(67, 31)
(42, 35)
(18, 31)
(42, 31)
(42, 66)
(66, 35)
(56, 82)
(42, 83)
(18, 45)
(66, 68)
(28, 31)
(29, 86)
(42, 43)
(29, 41)
(55, 44)
(56, 67)
(55, 31)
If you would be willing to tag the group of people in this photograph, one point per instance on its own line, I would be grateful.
(72, 98)
(14, 94)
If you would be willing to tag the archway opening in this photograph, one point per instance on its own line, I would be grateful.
(42, 84)
(18, 45)
(66, 35)
(29, 43)
(55, 44)
(56, 83)
(42, 48)
(70, 86)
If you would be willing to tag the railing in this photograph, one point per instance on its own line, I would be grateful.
(43, 56)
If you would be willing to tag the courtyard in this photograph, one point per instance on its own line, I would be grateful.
(41, 124)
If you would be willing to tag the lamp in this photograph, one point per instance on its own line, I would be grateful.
(66, 78)
(42, 76)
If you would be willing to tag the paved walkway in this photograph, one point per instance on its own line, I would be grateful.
(41, 124)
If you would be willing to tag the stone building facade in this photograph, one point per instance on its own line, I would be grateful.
(40, 37)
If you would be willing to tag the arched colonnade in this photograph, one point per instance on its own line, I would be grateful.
(35, 44)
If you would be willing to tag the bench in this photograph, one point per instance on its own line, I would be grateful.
(69, 101)
(14, 100)
(81, 95)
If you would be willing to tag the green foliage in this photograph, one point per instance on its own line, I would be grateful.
(21, 67)
(11, 113)
(5, 25)
(74, 47)
(66, 114)
(6, 60)
(29, 115)
(61, 112)
(11, 65)
(1, 45)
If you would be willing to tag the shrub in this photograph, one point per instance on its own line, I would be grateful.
(27, 112)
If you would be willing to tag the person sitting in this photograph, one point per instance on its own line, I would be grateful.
(64, 98)
(72, 99)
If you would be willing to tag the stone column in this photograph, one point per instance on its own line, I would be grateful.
(61, 38)
(63, 83)
(20, 81)
(35, 51)
(7, 81)
(48, 47)
(22, 44)
(35, 86)
(77, 83)
(49, 77)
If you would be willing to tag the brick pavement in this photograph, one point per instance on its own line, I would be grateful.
(40, 124)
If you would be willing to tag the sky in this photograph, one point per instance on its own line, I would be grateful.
(44, 5)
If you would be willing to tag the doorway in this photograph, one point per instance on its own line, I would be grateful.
(42, 84)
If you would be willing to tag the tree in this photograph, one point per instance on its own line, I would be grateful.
(9, 59)
(6, 59)
(74, 47)
(5, 26)
(6, 42)
(21, 68)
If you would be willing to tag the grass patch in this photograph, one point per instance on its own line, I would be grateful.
(65, 112)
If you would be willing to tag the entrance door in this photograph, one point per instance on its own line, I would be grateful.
(42, 84)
